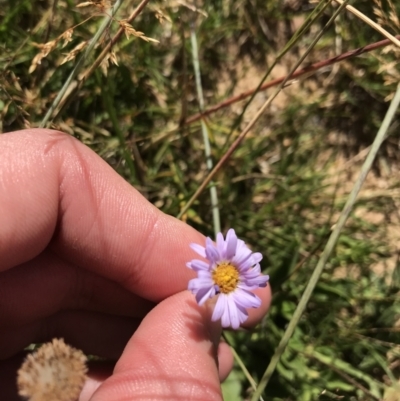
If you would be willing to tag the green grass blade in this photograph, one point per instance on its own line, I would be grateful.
(204, 130)
(380, 137)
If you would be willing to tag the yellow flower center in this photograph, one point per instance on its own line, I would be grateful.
(226, 276)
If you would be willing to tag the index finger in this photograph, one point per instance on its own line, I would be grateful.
(54, 190)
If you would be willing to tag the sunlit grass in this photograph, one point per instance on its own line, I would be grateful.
(283, 187)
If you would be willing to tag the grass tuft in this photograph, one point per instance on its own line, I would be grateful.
(131, 97)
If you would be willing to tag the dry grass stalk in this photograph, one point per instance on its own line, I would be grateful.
(45, 49)
(384, 18)
(160, 15)
(55, 371)
(389, 66)
(102, 5)
(371, 23)
(129, 30)
(111, 56)
(74, 52)
(67, 36)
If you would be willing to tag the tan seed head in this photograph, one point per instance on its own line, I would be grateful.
(55, 371)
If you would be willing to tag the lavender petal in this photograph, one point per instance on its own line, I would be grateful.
(204, 294)
(246, 299)
(221, 245)
(199, 249)
(231, 244)
(198, 265)
(219, 308)
(196, 284)
(211, 252)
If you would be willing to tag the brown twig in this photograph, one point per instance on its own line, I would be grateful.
(306, 70)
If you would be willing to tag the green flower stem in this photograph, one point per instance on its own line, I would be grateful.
(380, 137)
(227, 337)
(207, 147)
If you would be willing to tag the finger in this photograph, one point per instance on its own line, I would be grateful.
(100, 372)
(95, 218)
(225, 359)
(47, 284)
(171, 356)
(64, 286)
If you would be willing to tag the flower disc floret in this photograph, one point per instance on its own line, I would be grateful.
(231, 272)
(226, 277)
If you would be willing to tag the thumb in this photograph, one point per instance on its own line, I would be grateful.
(171, 356)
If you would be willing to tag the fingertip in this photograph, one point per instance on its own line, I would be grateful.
(172, 355)
(256, 315)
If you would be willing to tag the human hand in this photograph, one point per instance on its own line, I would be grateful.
(85, 257)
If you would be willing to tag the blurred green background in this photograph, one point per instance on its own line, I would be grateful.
(282, 189)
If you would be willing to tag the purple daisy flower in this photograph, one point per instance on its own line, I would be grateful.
(232, 272)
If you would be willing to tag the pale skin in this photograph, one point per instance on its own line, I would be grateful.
(85, 257)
